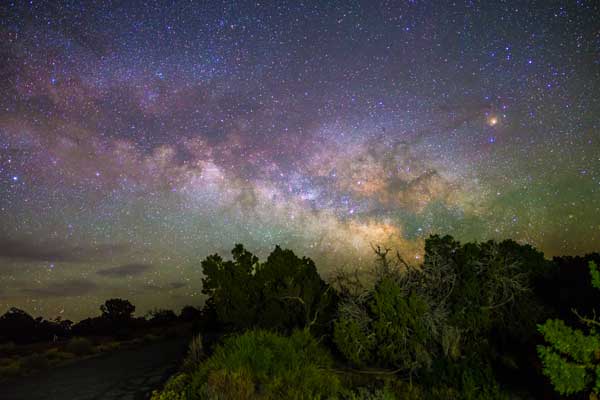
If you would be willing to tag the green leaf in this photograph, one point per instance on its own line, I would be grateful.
(595, 274)
(572, 342)
(566, 377)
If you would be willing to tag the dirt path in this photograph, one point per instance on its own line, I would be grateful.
(126, 375)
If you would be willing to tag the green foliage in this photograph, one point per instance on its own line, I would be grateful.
(35, 362)
(79, 346)
(175, 388)
(230, 286)
(393, 332)
(283, 293)
(567, 377)
(466, 379)
(572, 358)
(362, 393)
(354, 340)
(11, 369)
(260, 364)
(401, 329)
(574, 342)
(54, 354)
(413, 315)
(595, 274)
(284, 367)
(195, 354)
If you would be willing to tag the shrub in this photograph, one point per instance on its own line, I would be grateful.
(393, 334)
(195, 354)
(175, 388)
(80, 346)
(150, 338)
(7, 348)
(466, 379)
(11, 369)
(377, 394)
(260, 364)
(35, 362)
(447, 307)
(280, 367)
(109, 346)
(54, 354)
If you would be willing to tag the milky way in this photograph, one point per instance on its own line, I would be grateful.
(137, 138)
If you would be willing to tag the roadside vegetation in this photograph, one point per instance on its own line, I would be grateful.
(489, 320)
(29, 346)
(473, 321)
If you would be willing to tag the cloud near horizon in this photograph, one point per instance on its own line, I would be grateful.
(125, 270)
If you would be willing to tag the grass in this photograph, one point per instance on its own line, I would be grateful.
(260, 364)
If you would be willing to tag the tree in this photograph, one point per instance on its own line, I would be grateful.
(230, 287)
(572, 358)
(293, 295)
(161, 316)
(439, 314)
(117, 310)
(190, 314)
(17, 326)
(283, 293)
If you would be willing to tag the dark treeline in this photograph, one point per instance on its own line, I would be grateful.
(116, 320)
(475, 320)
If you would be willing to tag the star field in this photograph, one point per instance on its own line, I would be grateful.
(138, 137)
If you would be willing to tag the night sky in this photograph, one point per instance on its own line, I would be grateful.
(137, 138)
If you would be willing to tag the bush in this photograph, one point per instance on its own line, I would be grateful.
(260, 364)
(377, 394)
(195, 354)
(11, 369)
(175, 388)
(55, 354)
(151, 338)
(109, 346)
(80, 346)
(7, 348)
(396, 335)
(35, 362)
(277, 366)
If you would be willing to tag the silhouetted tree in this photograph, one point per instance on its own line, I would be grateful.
(17, 326)
(190, 314)
(96, 326)
(565, 285)
(161, 317)
(293, 295)
(231, 287)
(283, 293)
(117, 310)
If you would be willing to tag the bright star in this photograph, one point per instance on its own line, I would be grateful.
(492, 120)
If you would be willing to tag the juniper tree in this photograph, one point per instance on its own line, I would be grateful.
(572, 357)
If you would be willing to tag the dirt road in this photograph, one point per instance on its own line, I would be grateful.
(125, 375)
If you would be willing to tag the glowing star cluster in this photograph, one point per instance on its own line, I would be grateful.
(137, 139)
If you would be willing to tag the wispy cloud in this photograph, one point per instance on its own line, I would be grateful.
(72, 287)
(28, 249)
(121, 271)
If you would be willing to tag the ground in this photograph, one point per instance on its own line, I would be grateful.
(128, 374)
